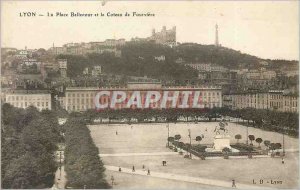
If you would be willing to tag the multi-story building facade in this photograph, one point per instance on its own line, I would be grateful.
(109, 45)
(290, 103)
(63, 66)
(97, 70)
(81, 99)
(201, 67)
(272, 100)
(276, 100)
(41, 101)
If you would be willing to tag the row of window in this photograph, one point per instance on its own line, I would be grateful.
(85, 107)
(27, 104)
(17, 98)
(94, 94)
(293, 103)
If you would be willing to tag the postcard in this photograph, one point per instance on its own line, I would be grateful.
(149, 94)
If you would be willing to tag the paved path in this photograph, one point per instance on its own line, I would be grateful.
(140, 154)
(60, 175)
(176, 153)
(60, 179)
(204, 181)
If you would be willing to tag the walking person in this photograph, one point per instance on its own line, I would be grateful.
(282, 160)
(148, 172)
(233, 183)
(133, 169)
(143, 167)
(120, 169)
(116, 132)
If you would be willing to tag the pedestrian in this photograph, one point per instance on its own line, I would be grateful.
(133, 169)
(282, 160)
(120, 169)
(206, 129)
(148, 172)
(116, 132)
(143, 167)
(233, 183)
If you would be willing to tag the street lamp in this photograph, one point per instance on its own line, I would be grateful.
(168, 133)
(60, 164)
(112, 180)
(283, 151)
(190, 142)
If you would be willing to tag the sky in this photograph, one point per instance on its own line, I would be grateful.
(266, 29)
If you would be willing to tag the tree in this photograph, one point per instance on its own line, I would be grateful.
(267, 143)
(272, 147)
(251, 138)
(171, 139)
(238, 137)
(226, 150)
(198, 138)
(277, 145)
(27, 149)
(82, 162)
(177, 137)
(259, 140)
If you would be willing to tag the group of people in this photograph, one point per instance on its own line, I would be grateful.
(133, 169)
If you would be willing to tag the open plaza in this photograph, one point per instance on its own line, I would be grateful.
(144, 147)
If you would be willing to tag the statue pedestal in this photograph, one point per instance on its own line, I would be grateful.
(221, 141)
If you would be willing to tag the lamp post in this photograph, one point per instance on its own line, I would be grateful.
(190, 142)
(283, 151)
(247, 135)
(168, 134)
(60, 164)
(112, 180)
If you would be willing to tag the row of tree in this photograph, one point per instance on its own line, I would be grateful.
(282, 122)
(83, 165)
(28, 143)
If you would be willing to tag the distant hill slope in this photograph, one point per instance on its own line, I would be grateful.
(138, 59)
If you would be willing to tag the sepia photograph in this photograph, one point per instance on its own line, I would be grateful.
(179, 94)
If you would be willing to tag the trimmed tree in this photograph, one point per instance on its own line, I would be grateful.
(267, 143)
(198, 138)
(171, 139)
(251, 138)
(259, 140)
(177, 138)
(238, 137)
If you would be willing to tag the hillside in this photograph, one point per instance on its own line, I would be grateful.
(138, 59)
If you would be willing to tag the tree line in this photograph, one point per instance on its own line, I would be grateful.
(29, 140)
(83, 165)
(281, 122)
